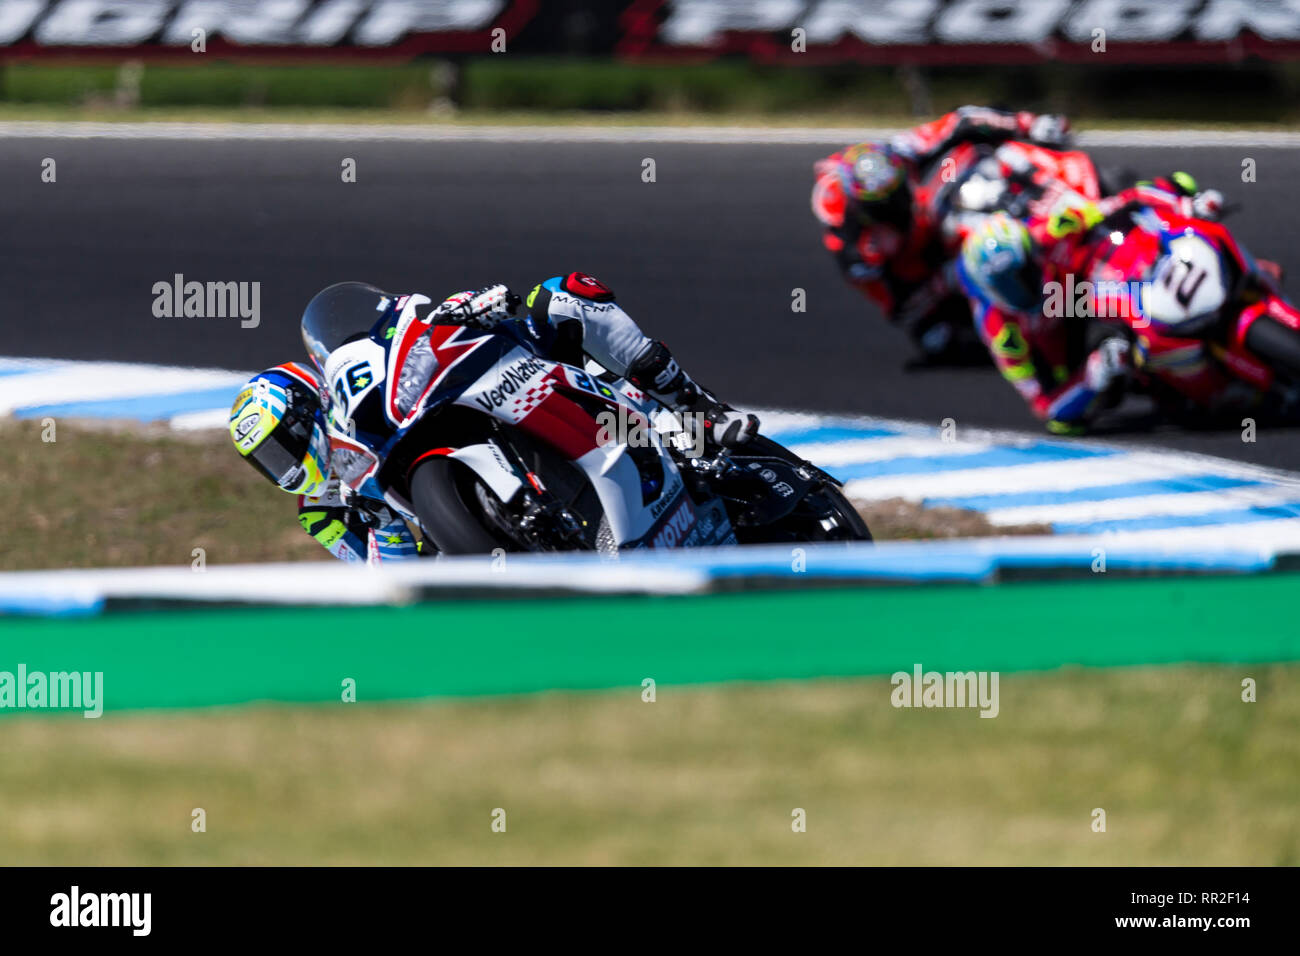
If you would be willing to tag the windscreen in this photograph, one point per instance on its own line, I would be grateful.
(339, 313)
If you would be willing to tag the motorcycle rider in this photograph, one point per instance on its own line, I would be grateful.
(884, 205)
(1067, 371)
(278, 421)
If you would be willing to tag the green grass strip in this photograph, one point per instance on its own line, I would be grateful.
(228, 656)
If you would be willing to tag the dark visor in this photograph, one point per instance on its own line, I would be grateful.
(283, 450)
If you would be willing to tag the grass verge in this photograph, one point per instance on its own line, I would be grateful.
(138, 496)
(131, 496)
(902, 519)
(1187, 773)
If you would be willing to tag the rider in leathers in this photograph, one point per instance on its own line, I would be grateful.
(568, 317)
(1005, 268)
(884, 207)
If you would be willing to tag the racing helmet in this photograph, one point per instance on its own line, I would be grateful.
(874, 178)
(278, 425)
(998, 259)
(339, 313)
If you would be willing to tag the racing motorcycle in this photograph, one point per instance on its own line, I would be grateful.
(1018, 178)
(484, 442)
(971, 181)
(1211, 330)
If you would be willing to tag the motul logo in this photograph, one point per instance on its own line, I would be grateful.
(675, 528)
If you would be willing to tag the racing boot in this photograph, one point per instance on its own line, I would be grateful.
(657, 373)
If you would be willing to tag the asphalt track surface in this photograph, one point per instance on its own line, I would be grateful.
(706, 257)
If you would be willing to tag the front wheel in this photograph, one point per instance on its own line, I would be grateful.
(449, 500)
(1277, 344)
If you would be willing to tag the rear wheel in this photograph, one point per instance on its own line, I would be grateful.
(848, 520)
(824, 514)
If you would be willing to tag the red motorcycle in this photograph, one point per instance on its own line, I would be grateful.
(1021, 179)
(1212, 331)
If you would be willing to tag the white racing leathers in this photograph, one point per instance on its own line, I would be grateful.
(581, 312)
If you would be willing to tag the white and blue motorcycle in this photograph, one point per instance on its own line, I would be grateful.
(483, 442)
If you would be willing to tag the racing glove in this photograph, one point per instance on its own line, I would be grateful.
(1208, 205)
(478, 308)
(727, 427)
(345, 523)
(1203, 203)
(1108, 365)
(1050, 129)
(1075, 219)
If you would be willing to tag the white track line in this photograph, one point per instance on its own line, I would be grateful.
(98, 381)
(197, 421)
(743, 135)
(1040, 476)
(1143, 506)
(862, 450)
(335, 582)
(1282, 534)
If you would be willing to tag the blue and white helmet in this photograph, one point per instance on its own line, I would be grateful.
(997, 259)
(278, 425)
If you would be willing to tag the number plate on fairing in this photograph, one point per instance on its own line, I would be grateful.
(1186, 284)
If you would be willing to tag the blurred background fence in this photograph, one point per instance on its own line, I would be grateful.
(1229, 61)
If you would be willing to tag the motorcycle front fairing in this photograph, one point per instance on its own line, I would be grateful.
(363, 380)
(1192, 294)
(382, 383)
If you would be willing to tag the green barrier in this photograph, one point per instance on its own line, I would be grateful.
(228, 656)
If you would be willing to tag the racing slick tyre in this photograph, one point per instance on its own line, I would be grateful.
(809, 521)
(448, 497)
(846, 515)
(1278, 344)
